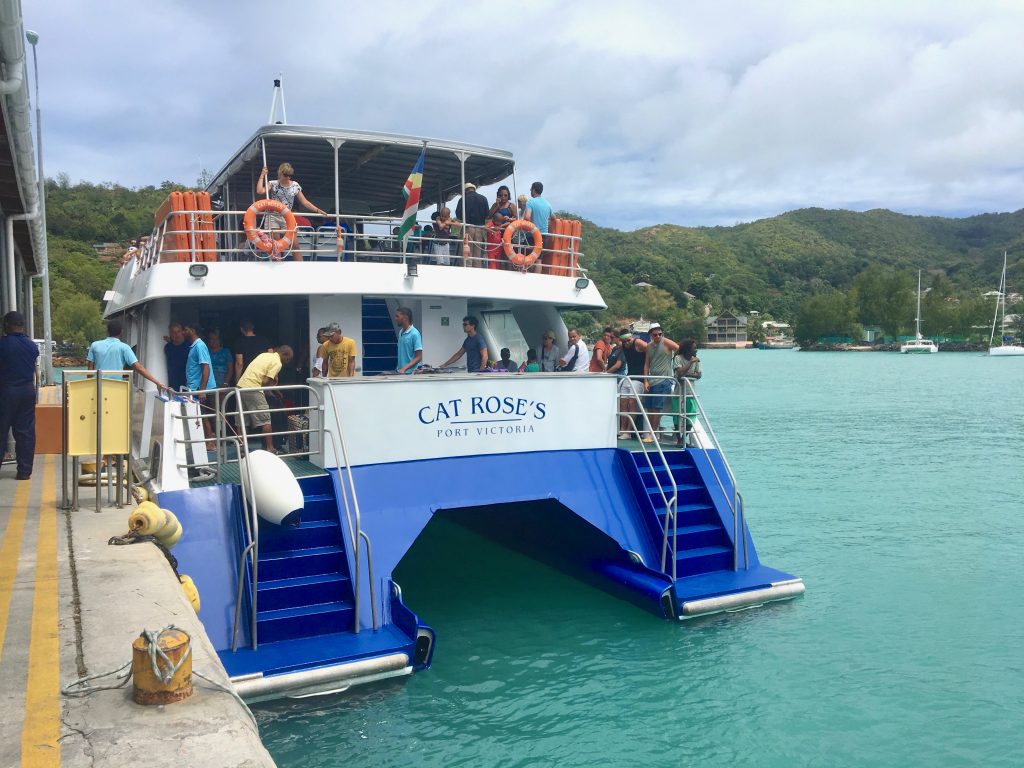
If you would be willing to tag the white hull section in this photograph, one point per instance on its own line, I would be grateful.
(1007, 350)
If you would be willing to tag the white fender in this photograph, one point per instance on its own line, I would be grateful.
(277, 492)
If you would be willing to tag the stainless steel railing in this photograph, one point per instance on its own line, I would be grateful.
(223, 398)
(669, 541)
(736, 501)
(192, 236)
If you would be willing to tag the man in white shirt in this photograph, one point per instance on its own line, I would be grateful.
(576, 358)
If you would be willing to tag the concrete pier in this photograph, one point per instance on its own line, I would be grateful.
(70, 606)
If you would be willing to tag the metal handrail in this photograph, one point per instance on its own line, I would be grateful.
(671, 502)
(356, 245)
(736, 504)
(358, 534)
(251, 516)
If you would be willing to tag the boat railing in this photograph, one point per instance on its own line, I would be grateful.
(227, 406)
(635, 414)
(204, 236)
(692, 413)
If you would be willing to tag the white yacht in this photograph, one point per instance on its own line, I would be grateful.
(1004, 348)
(532, 459)
(918, 345)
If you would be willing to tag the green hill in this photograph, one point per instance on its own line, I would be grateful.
(772, 265)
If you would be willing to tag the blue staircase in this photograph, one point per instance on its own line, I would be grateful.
(304, 585)
(380, 345)
(703, 544)
(704, 554)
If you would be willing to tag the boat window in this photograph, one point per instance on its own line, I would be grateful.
(504, 330)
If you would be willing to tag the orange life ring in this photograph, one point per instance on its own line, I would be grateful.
(524, 260)
(259, 238)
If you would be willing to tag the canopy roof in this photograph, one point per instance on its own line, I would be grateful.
(372, 167)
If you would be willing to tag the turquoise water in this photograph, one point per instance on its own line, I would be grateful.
(892, 484)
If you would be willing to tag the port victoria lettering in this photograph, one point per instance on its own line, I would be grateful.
(482, 415)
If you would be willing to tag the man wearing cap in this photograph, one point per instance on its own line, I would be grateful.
(339, 354)
(476, 208)
(18, 355)
(658, 362)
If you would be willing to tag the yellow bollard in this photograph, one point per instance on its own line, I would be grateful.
(152, 688)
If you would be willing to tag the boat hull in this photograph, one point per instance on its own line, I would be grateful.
(1007, 350)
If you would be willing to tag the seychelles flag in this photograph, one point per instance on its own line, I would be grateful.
(411, 192)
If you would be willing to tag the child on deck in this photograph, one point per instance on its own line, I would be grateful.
(495, 228)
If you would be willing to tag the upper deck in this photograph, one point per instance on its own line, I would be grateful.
(358, 177)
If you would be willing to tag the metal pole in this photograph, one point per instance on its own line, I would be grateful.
(33, 38)
(99, 436)
(266, 189)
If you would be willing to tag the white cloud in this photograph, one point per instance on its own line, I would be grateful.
(632, 114)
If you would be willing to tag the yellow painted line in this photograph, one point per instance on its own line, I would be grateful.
(40, 735)
(10, 551)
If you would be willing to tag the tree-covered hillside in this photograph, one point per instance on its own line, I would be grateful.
(773, 265)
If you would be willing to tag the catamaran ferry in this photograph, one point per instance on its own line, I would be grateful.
(536, 460)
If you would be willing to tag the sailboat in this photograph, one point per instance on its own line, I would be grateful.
(918, 345)
(999, 321)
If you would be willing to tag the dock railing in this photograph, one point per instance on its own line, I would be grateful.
(228, 402)
(203, 236)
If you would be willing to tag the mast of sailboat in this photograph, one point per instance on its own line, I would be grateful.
(1000, 305)
(917, 320)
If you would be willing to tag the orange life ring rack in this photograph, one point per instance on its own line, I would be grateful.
(523, 260)
(275, 248)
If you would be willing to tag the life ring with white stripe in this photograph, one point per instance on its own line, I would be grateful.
(274, 247)
(522, 260)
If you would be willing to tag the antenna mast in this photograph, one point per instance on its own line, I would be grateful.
(278, 90)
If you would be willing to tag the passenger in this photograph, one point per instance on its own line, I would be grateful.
(617, 366)
(426, 239)
(285, 190)
(390, 244)
(248, 346)
(521, 201)
(502, 206)
(634, 351)
(262, 372)
(131, 253)
(531, 365)
(473, 348)
(540, 212)
(505, 362)
(602, 348)
(199, 374)
(576, 358)
(318, 362)
(658, 363)
(339, 354)
(441, 245)
(112, 354)
(475, 218)
(18, 355)
(547, 355)
(410, 343)
(687, 370)
(221, 358)
(176, 352)
(494, 233)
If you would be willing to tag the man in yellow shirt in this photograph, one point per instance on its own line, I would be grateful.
(262, 372)
(339, 354)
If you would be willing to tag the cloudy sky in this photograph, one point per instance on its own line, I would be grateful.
(632, 113)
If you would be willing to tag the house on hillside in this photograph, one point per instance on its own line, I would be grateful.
(727, 330)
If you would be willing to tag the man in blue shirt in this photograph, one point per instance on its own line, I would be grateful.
(112, 354)
(410, 343)
(474, 348)
(538, 210)
(198, 365)
(18, 355)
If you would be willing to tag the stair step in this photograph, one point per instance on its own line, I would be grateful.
(697, 536)
(304, 621)
(301, 562)
(310, 533)
(690, 562)
(303, 590)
